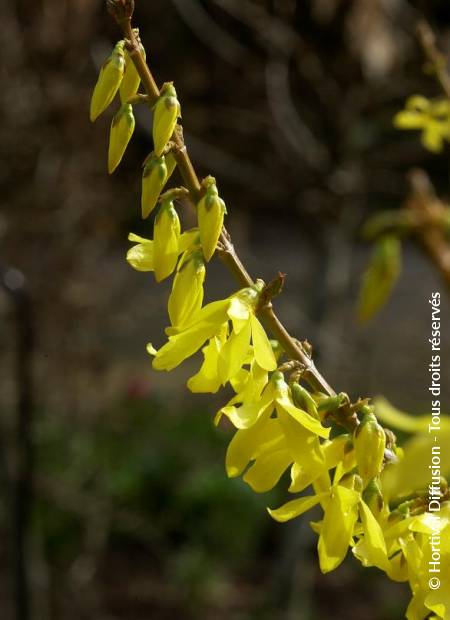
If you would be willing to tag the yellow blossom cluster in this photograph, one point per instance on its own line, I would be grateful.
(283, 429)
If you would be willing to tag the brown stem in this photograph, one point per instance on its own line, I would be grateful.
(423, 201)
(227, 254)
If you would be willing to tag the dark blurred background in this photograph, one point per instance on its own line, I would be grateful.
(289, 104)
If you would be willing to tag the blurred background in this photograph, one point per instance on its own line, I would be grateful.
(114, 500)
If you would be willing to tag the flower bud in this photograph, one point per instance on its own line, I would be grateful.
(165, 114)
(122, 128)
(131, 80)
(166, 236)
(373, 497)
(210, 213)
(369, 441)
(186, 297)
(108, 82)
(303, 399)
(155, 174)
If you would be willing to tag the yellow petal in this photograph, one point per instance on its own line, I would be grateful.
(302, 417)
(407, 119)
(267, 470)
(140, 256)
(207, 379)
(247, 444)
(183, 345)
(337, 527)
(295, 507)
(371, 550)
(186, 297)
(233, 353)
(263, 351)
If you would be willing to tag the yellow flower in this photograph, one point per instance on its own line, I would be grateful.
(166, 239)
(122, 128)
(155, 174)
(276, 396)
(432, 117)
(207, 379)
(210, 212)
(140, 256)
(108, 82)
(186, 297)
(239, 310)
(165, 114)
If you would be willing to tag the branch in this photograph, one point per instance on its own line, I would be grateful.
(122, 11)
(424, 202)
(435, 57)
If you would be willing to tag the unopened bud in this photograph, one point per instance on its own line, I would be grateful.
(155, 174)
(122, 128)
(210, 213)
(108, 82)
(165, 114)
(131, 80)
(373, 497)
(166, 236)
(303, 399)
(369, 441)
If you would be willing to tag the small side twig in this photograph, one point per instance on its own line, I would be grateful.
(435, 57)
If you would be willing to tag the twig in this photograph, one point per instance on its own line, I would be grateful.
(122, 11)
(423, 201)
(436, 58)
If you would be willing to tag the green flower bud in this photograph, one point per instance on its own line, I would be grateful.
(165, 114)
(108, 82)
(210, 213)
(303, 399)
(122, 128)
(166, 237)
(155, 174)
(369, 441)
(331, 404)
(374, 497)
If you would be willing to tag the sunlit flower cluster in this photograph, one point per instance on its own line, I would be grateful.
(284, 431)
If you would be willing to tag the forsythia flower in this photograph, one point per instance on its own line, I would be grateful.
(140, 256)
(432, 117)
(186, 297)
(108, 82)
(210, 212)
(166, 112)
(239, 309)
